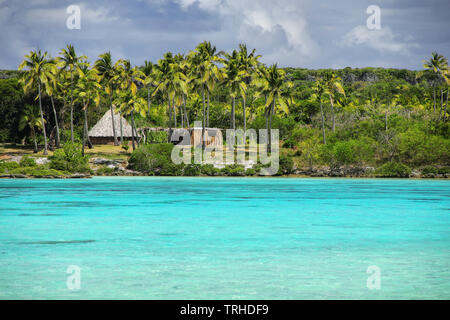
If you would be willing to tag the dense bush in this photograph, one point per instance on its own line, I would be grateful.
(393, 170)
(233, 170)
(70, 159)
(37, 171)
(192, 170)
(155, 159)
(286, 165)
(209, 170)
(350, 152)
(7, 166)
(27, 161)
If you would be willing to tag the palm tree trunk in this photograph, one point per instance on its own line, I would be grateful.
(434, 98)
(33, 133)
(132, 130)
(323, 122)
(121, 127)
(207, 112)
(332, 112)
(233, 113)
(58, 143)
(148, 101)
(174, 111)
(116, 143)
(42, 120)
(84, 130)
(71, 106)
(245, 116)
(170, 119)
(185, 111)
(204, 117)
(271, 111)
(445, 110)
(442, 104)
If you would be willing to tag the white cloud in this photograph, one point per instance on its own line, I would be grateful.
(383, 40)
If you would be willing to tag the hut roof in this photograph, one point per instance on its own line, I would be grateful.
(103, 128)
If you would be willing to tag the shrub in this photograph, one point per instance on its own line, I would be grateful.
(70, 159)
(155, 159)
(192, 170)
(233, 170)
(429, 170)
(444, 170)
(37, 171)
(106, 171)
(209, 170)
(6, 166)
(250, 172)
(125, 146)
(157, 137)
(393, 169)
(27, 161)
(286, 165)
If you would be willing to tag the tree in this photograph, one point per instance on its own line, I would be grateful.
(69, 60)
(87, 91)
(248, 63)
(333, 86)
(204, 74)
(234, 80)
(148, 81)
(170, 80)
(438, 65)
(40, 71)
(107, 73)
(319, 89)
(31, 118)
(273, 83)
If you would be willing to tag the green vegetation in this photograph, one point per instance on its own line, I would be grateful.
(70, 159)
(366, 117)
(393, 170)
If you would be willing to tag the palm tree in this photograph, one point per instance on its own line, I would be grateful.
(170, 81)
(70, 60)
(129, 104)
(319, 89)
(126, 77)
(204, 74)
(31, 118)
(333, 86)
(87, 91)
(107, 72)
(273, 83)
(148, 70)
(234, 80)
(40, 71)
(438, 65)
(248, 63)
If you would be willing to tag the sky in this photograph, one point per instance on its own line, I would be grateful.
(293, 33)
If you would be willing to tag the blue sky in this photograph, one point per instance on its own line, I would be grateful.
(297, 33)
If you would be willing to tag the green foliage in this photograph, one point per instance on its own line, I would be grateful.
(70, 159)
(286, 165)
(430, 170)
(106, 171)
(350, 152)
(393, 170)
(37, 171)
(125, 146)
(27, 161)
(209, 170)
(233, 170)
(157, 137)
(192, 170)
(7, 166)
(155, 159)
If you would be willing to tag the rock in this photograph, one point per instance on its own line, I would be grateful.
(415, 174)
(5, 176)
(107, 162)
(19, 176)
(41, 161)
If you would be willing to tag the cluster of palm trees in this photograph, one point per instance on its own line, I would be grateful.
(438, 66)
(70, 79)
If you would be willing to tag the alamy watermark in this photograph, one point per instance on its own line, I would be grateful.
(73, 21)
(374, 20)
(74, 280)
(374, 280)
(242, 148)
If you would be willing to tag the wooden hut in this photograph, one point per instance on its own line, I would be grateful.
(102, 132)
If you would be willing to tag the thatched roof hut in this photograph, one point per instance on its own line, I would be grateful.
(102, 132)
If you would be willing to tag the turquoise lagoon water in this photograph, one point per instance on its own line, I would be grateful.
(224, 238)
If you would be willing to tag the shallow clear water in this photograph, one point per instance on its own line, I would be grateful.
(224, 238)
